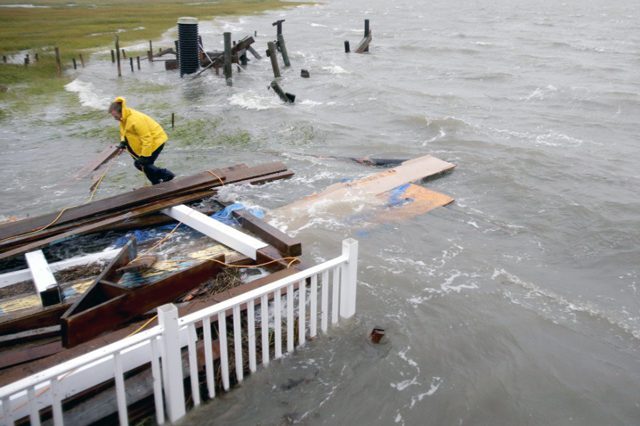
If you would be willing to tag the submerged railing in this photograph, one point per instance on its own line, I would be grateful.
(317, 296)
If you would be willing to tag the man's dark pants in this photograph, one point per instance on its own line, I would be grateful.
(153, 173)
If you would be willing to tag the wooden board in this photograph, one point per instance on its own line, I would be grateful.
(343, 199)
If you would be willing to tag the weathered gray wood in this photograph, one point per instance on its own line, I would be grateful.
(107, 154)
(227, 57)
(286, 97)
(364, 44)
(283, 50)
(274, 59)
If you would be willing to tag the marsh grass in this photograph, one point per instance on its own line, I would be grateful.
(81, 25)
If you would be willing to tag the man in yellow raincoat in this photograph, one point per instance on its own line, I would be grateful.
(143, 138)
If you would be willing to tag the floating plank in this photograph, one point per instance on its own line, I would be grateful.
(106, 155)
(411, 200)
(43, 279)
(342, 198)
(220, 232)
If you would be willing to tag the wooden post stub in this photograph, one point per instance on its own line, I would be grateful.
(131, 63)
(58, 64)
(36, 57)
(173, 120)
(4, 59)
(124, 54)
(304, 74)
(75, 64)
(227, 57)
(150, 46)
(286, 97)
(366, 32)
(81, 60)
(278, 24)
(347, 49)
(271, 52)
(113, 57)
(118, 56)
(150, 55)
(283, 50)
(138, 61)
(376, 334)
(26, 60)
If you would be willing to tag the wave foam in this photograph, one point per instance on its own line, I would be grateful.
(88, 94)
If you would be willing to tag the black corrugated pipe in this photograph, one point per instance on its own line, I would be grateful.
(188, 45)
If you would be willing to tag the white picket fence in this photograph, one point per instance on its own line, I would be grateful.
(318, 296)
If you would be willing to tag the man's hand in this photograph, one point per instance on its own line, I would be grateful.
(122, 145)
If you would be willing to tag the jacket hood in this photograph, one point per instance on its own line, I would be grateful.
(125, 109)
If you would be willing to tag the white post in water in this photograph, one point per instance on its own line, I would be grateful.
(349, 278)
(172, 362)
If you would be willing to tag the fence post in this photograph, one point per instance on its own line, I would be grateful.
(349, 278)
(172, 362)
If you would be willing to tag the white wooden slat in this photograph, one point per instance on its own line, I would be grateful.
(121, 396)
(7, 411)
(302, 327)
(325, 302)
(193, 364)
(237, 343)
(224, 356)
(290, 329)
(40, 272)
(251, 326)
(264, 330)
(157, 381)
(277, 323)
(313, 305)
(56, 402)
(335, 293)
(208, 357)
(34, 415)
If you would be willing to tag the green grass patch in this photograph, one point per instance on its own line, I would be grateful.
(80, 25)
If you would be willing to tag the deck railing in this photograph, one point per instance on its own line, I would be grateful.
(248, 327)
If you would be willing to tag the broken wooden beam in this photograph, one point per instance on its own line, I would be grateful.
(44, 281)
(286, 245)
(107, 154)
(81, 326)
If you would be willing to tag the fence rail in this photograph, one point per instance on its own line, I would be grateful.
(236, 335)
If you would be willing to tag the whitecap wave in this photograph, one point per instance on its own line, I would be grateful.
(335, 69)
(252, 100)
(88, 94)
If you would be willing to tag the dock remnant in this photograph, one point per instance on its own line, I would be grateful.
(376, 334)
(286, 97)
(280, 44)
(363, 46)
(271, 53)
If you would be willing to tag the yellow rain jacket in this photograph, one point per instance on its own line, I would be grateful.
(143, 133)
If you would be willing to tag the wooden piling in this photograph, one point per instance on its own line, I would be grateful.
(36, 57)
(75, 65)
(227, 57)
(150, 46)
(138, 60)
(173, 119)
(366, 32)
(118, 56)
(113, 57)
(124, 54)
(58, 64)
(4, 59)
(347, 49)
(26, 60)
(81, 60)
(131, 63)
(274, 58)
(283, 50)
(286, 97)
(150, 55)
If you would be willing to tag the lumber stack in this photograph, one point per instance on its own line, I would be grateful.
(31, 233)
